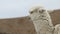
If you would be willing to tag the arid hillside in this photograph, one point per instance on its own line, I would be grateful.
(23, 25)
(55, 16)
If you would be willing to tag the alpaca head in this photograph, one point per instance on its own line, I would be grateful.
(37, 12)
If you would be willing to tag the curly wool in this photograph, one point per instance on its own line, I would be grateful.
(41, 20)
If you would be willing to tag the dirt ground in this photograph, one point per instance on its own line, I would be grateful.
(23, 25)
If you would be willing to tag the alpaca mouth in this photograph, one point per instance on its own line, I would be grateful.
(43, 19)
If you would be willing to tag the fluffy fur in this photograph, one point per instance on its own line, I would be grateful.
(41, 20)
(57, 29)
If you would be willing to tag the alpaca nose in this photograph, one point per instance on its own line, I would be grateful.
(31, 12)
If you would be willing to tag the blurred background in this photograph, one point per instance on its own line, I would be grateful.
(17, 12)
(19, 8)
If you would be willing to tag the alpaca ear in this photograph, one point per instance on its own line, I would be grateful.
(50, 11)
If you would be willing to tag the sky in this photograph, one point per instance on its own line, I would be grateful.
(20, 8)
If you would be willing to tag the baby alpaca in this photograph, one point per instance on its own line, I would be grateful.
(41, 20)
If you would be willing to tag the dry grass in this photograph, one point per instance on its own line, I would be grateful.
(23, 25)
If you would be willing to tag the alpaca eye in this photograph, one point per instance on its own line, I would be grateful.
(40, 11)
(31, 12)
(43, 10)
